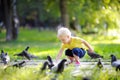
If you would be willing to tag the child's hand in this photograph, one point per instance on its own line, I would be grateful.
(91, 51)
(56, 61)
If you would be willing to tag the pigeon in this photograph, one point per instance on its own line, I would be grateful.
(59, 68)
(114, 62)
(99, 63)
(25, 54)
(50, 64)
(5, 57)
(54, 68)
(44, 67)
(28, 56)
(85, 78)
(22, 53)
(19, 65)
(94, 55)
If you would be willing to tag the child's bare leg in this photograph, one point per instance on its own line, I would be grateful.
(71, 59)
(76, 58)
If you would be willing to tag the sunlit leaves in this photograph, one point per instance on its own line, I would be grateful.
(92, 12)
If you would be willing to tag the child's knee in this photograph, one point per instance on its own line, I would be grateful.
(78, 52)
(67, 52)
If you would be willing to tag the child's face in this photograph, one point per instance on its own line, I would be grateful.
(64, 39)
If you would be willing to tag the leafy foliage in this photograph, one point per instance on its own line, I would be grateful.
(90, 14)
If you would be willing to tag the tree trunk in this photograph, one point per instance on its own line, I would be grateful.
(15, 28)
(15, 20)
(64, 13)
(74, 25)
(8, 19)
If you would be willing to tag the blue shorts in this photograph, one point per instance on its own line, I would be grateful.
(76, 51)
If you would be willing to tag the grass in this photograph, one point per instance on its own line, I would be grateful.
(35, 74)
(43, 43)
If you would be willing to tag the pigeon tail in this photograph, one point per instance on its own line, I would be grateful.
(33, 56)
(118, 68)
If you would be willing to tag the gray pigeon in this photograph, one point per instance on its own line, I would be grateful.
(99, 63)
(4, 57)
(59, 68)
(50, 64)
(85, 78)
(19, 65)
(22, 53)
(114, 62)
(25, 54)
(44, 66)
(94, 55)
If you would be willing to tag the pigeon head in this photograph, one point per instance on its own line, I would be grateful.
(61, 66)
(50, 62)
(99, 64)
(49, 59)
(6, 54)
(2, 55)
(26, 49)
(64, 60)
(6, 58)
(2, 51)
(99, 59)
(113, 58)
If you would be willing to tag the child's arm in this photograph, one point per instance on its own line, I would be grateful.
(59, 54)
(88, 45)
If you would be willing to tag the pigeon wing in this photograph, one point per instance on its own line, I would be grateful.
(116, 63)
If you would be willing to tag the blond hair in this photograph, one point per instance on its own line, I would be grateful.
(63, 32)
